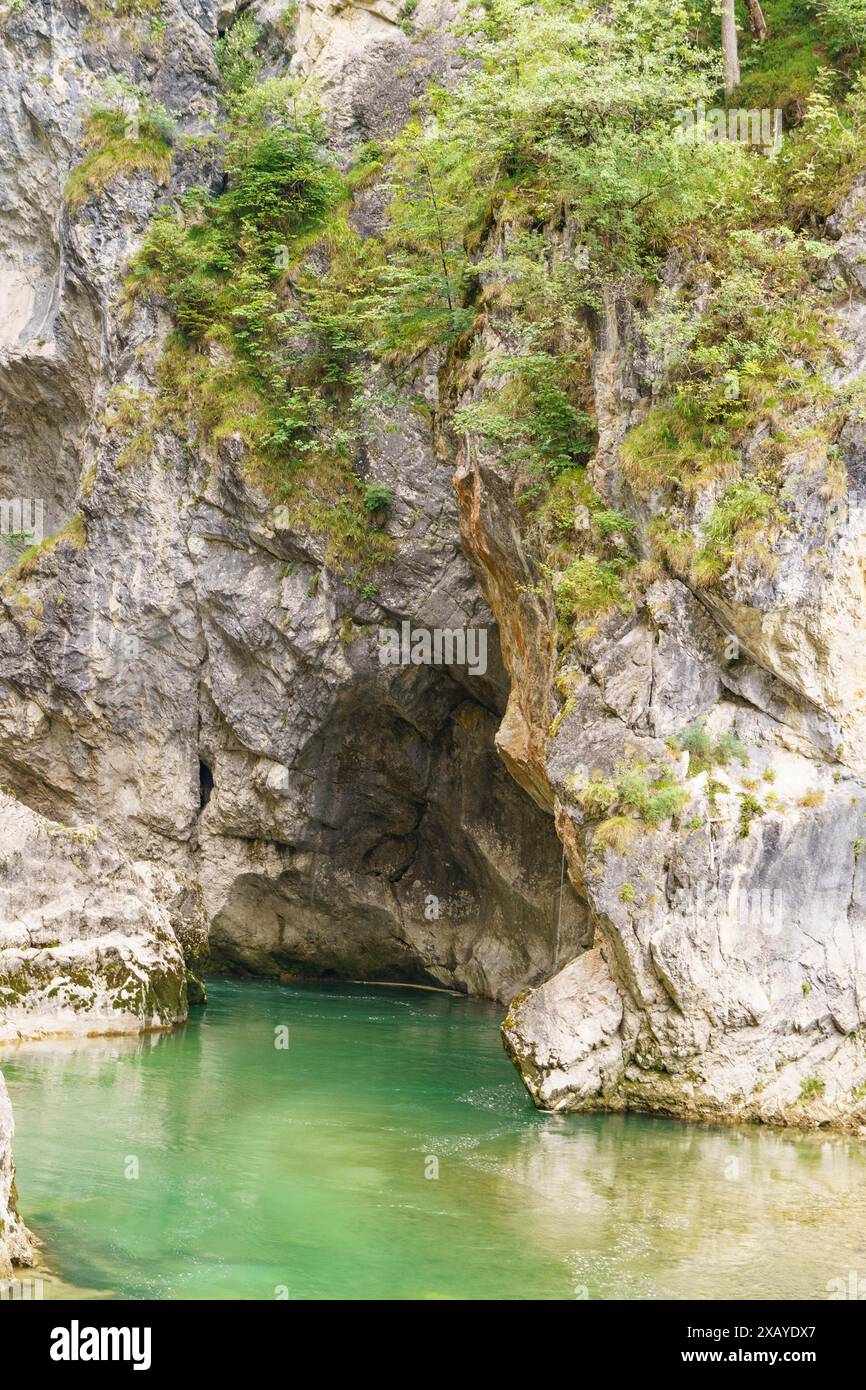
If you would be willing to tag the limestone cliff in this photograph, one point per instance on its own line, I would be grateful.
(184, 667)
(726, 975)
(89, 943)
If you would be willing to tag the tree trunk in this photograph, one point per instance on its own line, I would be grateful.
(730, 51)
(756, 15)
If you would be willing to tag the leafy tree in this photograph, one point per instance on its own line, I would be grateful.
(845, 22)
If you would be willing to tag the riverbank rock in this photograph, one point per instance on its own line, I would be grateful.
(15, 1241)
(86, 937)
(727, 976)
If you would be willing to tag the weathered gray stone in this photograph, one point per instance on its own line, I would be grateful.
(369, 63)
(564, 1036)
(15, 1241)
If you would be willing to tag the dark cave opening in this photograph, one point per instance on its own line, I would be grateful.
(205, 784)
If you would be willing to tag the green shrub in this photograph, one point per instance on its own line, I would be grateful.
(844, 24)
(532, 415)
(544, 175)
(613, 523)
(750, 809)
(781, 71)
(235, 54)
(254, 359)
(281, 185)
(378, 497)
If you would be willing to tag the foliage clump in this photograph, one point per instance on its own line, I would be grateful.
(812, 1088)
(750, 809)
(706, 752)
(637, 789)
(588, 588)
(252, 359)
(535, 415)
(525, 202)
(127, 413)
(590, 550)
(126, 133)
(378, 497)
(550, 181)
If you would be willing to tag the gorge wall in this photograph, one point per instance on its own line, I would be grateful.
(185, 668)
(202, 752)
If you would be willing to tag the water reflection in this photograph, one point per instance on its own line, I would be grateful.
(653, 1210)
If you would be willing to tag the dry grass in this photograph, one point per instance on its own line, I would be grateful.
(617, 833)
(812, 799)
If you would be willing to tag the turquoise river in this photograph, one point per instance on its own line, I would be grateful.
(390, 1151)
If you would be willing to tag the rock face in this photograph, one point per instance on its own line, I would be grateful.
(57, 277)
(15, 1242)
(370, 63)
(726, 978)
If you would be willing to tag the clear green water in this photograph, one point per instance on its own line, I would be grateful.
(304, 1170)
